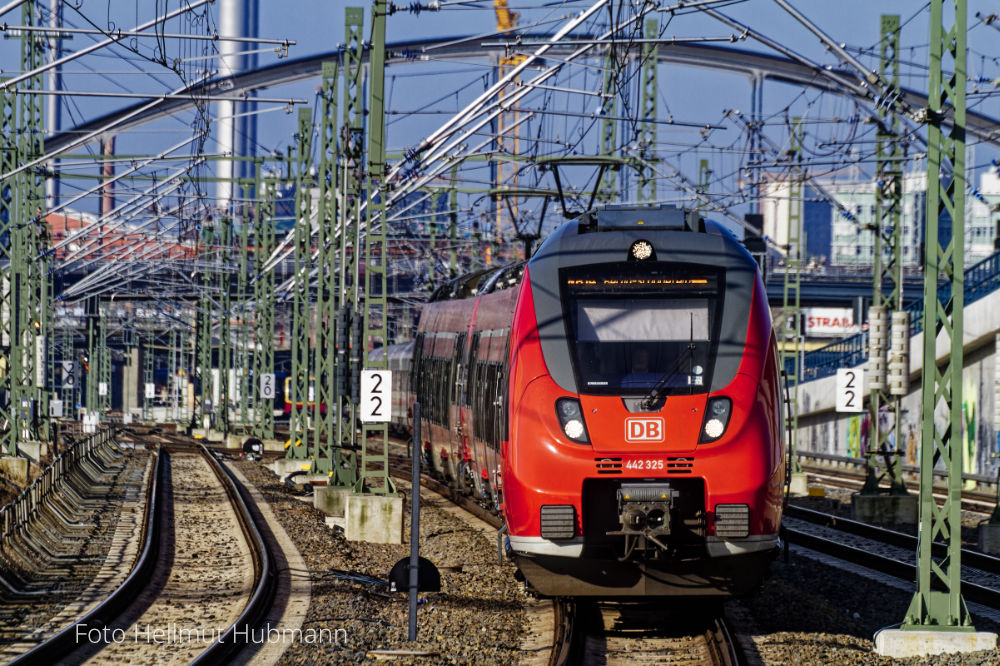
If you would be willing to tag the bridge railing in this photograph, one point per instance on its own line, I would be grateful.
(981, 279)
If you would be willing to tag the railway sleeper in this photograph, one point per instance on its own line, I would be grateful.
(67, 523)
(32, 553)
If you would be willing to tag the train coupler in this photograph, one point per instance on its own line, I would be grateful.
(644, 515)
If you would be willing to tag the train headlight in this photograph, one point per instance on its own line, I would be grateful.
(571, 419)
(716, 419)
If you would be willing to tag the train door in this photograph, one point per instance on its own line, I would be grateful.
(498, 429)
(420, 380)
(474, 454)
(494, 408)
(440, 378)
(456, 455)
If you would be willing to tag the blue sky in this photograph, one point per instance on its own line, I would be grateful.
(686, 93)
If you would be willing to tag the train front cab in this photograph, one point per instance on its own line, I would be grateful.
(624, 483)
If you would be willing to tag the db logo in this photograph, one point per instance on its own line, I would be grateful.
(646, 429)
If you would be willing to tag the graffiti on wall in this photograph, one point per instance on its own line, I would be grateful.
(857, 435)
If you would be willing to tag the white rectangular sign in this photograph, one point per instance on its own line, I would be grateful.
(267, 386)
(829, 322)
(68, 376)
(150, 391)
(850, 390)
(376, 396)
(56, 408)
(102, 388)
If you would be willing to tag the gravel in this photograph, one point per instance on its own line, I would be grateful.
(809, 612)
(477, 617)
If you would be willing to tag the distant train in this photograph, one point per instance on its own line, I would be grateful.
(617, 399)
(310, 401)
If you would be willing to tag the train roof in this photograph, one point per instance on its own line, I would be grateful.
(608, 219)
(626, 217)
(395, 351)
(479, 283)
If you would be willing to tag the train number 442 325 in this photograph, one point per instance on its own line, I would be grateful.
(644, 463)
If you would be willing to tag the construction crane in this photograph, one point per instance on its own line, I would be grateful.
(506, 19)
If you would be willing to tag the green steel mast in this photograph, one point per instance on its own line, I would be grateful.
(241, 351)
(223, 282)
(263, 315)
(647, 125)
(888, 268)
(104, 364)
(324, 433)
(147, 375)
(791, 304)
(374, 467)
(938, 602)
(352, 192)
(300, 384)
(607, 189)
(203, 324)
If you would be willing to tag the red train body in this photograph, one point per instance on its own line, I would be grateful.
(617, 399)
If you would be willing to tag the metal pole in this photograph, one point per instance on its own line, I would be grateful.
(374, 465)
(323, 446)
(104, 364)
(415, 522)
(888, 267)
(148, 369)
(938, 602)
(263, 316)
(607, 188)
(300, 384)
(791, 335)
(203, 325)
(352, 191)
(223, 283)
(647, 126)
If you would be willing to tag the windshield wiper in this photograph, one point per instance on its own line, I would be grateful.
(661, 386)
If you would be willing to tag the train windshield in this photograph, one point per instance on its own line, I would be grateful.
(632, 330)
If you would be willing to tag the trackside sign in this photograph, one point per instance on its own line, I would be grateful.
(829, 322)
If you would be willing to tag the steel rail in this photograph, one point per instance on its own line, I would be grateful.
(566, 635)
(970, 558)
(265, 574)
(903, 570)
(565, 630)
(851, 478)
(726, 651)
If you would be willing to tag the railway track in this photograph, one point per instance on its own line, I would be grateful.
(201, 587)
(593, 632)
(887, 551)
(853, 480)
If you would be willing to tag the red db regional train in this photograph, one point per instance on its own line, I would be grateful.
(617, 399)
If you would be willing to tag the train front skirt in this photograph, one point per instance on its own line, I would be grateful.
(720, 574)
